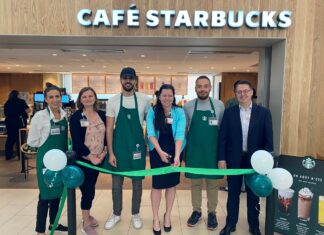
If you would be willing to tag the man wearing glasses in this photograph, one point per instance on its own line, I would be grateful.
(245, 128)
(126, 145)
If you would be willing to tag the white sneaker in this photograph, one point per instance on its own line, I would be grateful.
(112, 221)
(137, 221)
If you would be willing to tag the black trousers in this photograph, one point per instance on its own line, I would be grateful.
(233, 200)
(12, 138)
(88, 188)
(42, 210)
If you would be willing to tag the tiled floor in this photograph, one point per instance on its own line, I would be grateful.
(18, 212)
(18, 200)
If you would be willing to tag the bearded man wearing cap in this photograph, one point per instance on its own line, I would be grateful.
(126, 145)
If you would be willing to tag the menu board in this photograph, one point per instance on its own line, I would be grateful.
(300, 209)
(113, 85)
(97, 82)
(180, 84)
(78, 82)
(160, 80)
(146, 85)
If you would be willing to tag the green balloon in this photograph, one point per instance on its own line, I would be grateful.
(53, 178)
(261, 185)
(249, 178)
(72, 176)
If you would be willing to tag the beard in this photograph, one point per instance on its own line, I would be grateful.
(203, 97)
(128, 89)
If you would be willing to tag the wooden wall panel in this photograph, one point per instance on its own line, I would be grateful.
(20, 82)
(47, 17)
(302, 125)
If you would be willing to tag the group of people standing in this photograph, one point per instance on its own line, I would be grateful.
(202, 134)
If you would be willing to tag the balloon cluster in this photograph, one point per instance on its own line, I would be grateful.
(267, 177)
(58, 172)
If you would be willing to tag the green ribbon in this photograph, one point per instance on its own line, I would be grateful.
(171, 169)
(150, 172)
(58, 215)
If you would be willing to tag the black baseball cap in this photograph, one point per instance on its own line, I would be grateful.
(128, 72)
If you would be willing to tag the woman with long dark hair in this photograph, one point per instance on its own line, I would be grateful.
(88, 132)
(48, 130)
(166, 124)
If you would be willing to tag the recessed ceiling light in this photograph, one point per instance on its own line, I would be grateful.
(212, 67)
(205, 57)
(84, 55)
(54, 54)
(143, 56)
(104, 66)
(61, 66)
(248, 70)
(234, 68)
(17, 65)
(148, 67)
(190, 67)
(39, 65)
(82, 66)
(169, 67)
(9, 67)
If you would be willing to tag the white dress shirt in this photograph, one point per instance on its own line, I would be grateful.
(40, 127)
(245, 115)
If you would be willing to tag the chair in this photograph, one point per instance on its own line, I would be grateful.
(27, 154)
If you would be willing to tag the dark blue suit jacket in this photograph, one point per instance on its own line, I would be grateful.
(260, 135)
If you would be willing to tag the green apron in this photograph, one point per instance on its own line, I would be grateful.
(202, 139)
(57, 141)
(128, 140)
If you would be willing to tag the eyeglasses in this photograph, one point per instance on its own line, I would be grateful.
(242, 92)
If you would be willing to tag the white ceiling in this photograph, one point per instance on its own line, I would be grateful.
(155, 55)
(148, 60)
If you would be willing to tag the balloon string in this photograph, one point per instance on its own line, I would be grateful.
(170, 169)
(58, 215)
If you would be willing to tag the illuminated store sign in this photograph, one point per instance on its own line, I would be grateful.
(183, 18)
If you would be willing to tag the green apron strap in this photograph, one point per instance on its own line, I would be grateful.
(202, 139)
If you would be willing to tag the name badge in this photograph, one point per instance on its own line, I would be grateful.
(169, 120)
(129, 116)
(55, 130)
(212, 121)
(84, 123)
(137, 155)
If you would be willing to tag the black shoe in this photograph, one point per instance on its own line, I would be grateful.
(59, 227)
(227, 230)
(167, 229)
(156, 232)
(194, 218)
(255, 231)
(212, 221)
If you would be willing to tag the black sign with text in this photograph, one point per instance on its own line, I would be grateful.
(300, 209)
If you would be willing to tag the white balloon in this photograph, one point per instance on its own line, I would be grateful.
(55, 160)
(262, 162)
(281, 178)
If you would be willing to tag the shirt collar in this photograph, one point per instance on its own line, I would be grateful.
(249, 108)
(51, 115)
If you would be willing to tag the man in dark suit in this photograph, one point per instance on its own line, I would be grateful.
(246, 128)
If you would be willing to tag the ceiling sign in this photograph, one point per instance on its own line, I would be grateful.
(183, 18)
